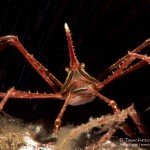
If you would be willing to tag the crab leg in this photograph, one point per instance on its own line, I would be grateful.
(104, 138)
(122, 64)
(60, 115)
(44, 73)
(133, 68)
(12, 93)
(121, 116)
(139, 56)
(6, 97)
(116, 109)
(126, 71)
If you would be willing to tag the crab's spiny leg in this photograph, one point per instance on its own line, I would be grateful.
(44, 73)
(139, 56)
(107, 123)
(5, 98)
(30, 95)
(126, 71)
(136, 50)
(60, 115)
(135, 117)
(103, 139)
(121, 65)
(116, 109)
(133, 68)
(120, 118)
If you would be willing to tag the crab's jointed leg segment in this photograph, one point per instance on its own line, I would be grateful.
(60, 115)
(121, 66)
(44, 73)
(18, 95)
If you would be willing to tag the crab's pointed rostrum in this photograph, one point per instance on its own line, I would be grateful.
(74, 64)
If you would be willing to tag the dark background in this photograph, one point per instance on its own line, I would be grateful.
(103, 31)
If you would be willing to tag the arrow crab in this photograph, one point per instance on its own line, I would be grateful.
(79, 87)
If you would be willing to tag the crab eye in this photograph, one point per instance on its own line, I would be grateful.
(82, 65)
(67, 69)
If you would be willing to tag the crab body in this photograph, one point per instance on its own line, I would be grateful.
(80, 83)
